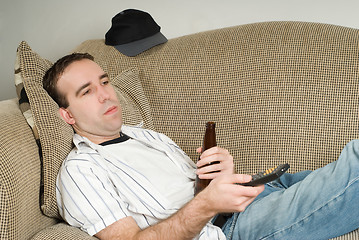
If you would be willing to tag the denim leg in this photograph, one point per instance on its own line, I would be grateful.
(284, 182)
(317, 205)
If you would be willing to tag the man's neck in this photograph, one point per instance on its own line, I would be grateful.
(121, 139)
(97, 139)
(101, 139)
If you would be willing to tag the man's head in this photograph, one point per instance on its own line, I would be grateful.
(85, 96)
(54, 73)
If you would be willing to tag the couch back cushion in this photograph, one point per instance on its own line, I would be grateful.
(279, 91)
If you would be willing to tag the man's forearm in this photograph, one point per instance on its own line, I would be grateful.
(185, 224)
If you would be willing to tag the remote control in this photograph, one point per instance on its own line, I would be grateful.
(267, 175)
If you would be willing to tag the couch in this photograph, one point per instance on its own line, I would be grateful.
(278, 91)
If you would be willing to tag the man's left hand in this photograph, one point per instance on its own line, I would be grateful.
(223, 163)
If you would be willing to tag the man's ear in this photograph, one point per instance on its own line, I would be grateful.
(66, 116)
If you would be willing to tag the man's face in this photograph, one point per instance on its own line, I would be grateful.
(94, 110)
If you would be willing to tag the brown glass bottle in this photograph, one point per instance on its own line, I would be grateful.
(209, 141)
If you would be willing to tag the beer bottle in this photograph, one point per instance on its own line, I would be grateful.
(209, 141)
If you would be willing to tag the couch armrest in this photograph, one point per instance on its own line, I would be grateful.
(62, 231)
(20, 174)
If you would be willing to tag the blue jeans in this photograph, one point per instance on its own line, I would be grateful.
(307, 205)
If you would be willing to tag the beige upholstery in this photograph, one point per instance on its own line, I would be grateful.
(20, 213)
(279, 92)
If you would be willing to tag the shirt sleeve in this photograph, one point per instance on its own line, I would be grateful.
(87, 198)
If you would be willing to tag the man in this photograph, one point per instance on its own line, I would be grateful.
(122, 182)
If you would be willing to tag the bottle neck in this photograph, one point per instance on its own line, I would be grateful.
(209, 139)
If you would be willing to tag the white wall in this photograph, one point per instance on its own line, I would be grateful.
(53, 28)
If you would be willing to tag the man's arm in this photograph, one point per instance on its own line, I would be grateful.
(185, 224)
(222, 195)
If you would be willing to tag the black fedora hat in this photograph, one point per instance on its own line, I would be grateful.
(133, 32)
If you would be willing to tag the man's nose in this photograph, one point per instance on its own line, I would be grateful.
(103, 95)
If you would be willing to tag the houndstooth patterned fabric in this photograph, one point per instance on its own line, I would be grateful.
(20, 215)
(62, 231)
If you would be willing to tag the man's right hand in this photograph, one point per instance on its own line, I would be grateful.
(224, 195)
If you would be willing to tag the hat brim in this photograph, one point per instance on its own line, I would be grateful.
(134, 48)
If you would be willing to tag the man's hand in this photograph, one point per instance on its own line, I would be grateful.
(215, 154)
(224, 195)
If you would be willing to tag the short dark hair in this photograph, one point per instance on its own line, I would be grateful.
(53, 74)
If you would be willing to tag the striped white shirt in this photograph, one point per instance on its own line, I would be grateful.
(96, 188)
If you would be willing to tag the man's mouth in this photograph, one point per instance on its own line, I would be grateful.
(111, 110)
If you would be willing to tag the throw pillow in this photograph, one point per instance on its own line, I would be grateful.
(54, 135)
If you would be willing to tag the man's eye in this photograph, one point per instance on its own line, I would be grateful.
(105, 82)
(86, 92)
